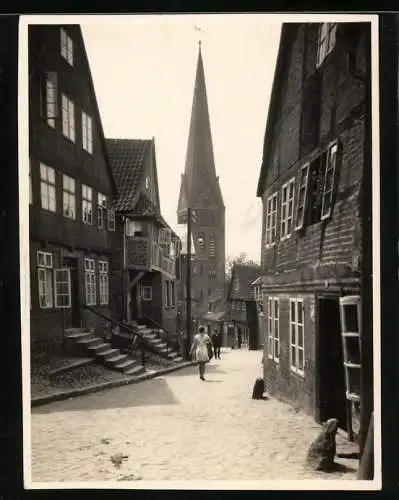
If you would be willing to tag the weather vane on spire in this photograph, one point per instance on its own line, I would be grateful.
(201, 31)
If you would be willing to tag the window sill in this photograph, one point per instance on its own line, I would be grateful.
(68, 217)
(68, 139)
(48, 210)
(297, 372)
(87, 223)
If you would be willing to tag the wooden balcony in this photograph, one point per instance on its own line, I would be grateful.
(160, 262)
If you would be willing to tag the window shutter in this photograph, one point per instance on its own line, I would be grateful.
(329, 181)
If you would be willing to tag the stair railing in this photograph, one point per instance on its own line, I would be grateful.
(161, 327)
(144, 344)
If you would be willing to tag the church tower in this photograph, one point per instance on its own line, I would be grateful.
(200, 190)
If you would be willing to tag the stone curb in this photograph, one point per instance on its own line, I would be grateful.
(73, 393)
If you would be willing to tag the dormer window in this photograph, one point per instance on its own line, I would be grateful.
(66, 46)
(327, 33)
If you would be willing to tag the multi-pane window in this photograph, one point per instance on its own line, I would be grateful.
(68, 197)
(45, 279)
(87, 133)
(103, 278)
(302, 192)
(101, 208)
(47, 187)
(87, 204)
(49, 99)
(201, 241)
(68, 118)
(271, 220)
(62, 282)
(30, 185)
(327, 35)
(147, 292)
(329, 180)
(111, 219)
(297, 353)
(212, 245)
(273, 328)
(90, 281)
(133, 228)
(316, 188)
(66, 47)
(287, 208)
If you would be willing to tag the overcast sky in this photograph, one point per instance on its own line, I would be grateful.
(144, 73)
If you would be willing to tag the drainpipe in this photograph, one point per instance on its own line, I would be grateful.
(125, 272)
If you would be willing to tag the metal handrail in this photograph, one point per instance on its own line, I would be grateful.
(118, 323)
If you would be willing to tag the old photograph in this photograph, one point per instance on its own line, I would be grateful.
(198, 251)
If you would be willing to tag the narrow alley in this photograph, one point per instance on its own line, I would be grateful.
(177, 427)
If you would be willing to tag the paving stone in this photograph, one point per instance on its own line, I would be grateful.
(177, 427)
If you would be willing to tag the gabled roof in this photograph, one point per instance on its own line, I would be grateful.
(96, 108)
(127, 159)
(245, 274)
(279, 75)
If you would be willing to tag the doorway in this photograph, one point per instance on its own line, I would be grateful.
(330, 371)
(75, 319)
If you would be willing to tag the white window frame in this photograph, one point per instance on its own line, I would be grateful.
(103, 281)
(87, 132)
(111, 220)
(101, 208)
(302, 196)
(48, 193)
(62, 283)
(328, 190)
(271, 220)
(68, 118)
(133, 227)
(49, 94)
(273, 328)
(294, 327)
(87, 204)
(66, 46)
(287, 209)
(326, 41)
(90, 282)
(146, 289)
(45, 279)
(68, 197)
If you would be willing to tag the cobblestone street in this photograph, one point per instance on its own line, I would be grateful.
(177, 427)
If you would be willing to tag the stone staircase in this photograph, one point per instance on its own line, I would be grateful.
(88, 343)
(159, 346)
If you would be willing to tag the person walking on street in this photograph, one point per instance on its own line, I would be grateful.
(216, 343)
(199, 347)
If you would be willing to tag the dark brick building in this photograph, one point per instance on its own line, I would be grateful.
(243, 306)
(147, 249)
(311, 185)
(71, 190)
(200, 191)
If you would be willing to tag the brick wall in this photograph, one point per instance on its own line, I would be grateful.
(280, 380)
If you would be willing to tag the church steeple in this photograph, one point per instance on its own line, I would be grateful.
(200, 173)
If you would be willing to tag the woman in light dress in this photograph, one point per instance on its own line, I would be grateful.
(199, 348)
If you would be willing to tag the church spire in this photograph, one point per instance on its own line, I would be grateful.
(200, 172)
